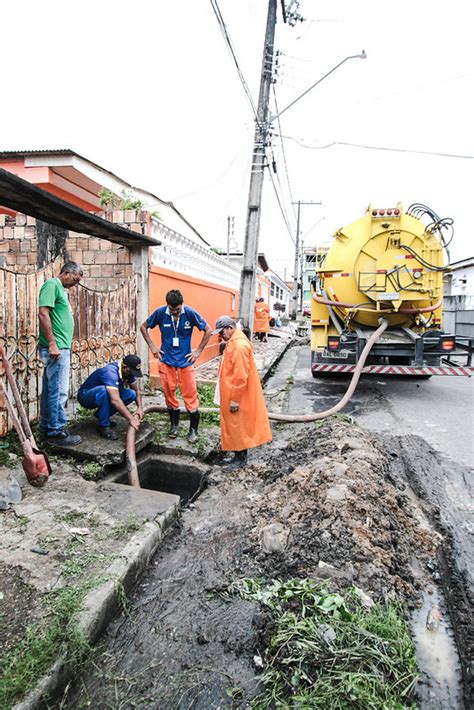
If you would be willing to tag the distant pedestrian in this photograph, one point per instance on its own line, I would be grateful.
(176, 368)
(243, 413)
(261, 319)
(56, 326)
(110, 389)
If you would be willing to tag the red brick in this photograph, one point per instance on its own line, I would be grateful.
(111, 257)
(107, 270)
(32, 258)
(76, 256)
(14, 246)
(11, 258)
(30, 232)
(30, 221)
(20, 219)
(86, 271)
(117, 216)
(22, 259)
(25, 245)
(123, 257)
(4, 246)
(8, 232)
(119, 271)
(71, 244)
(129, 216)
(105, 245)
(88, 257)
(83, 243)
(94, 244)
(19, 232)
(3, 219)
(136, 228)
(96, 270)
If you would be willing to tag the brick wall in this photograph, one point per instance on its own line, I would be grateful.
(23, 245)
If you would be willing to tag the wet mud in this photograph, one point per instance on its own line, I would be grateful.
(324, 501)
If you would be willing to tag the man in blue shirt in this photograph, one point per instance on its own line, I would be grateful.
(110, 389)
(176, 323)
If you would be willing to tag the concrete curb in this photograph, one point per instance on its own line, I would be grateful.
(101, 603)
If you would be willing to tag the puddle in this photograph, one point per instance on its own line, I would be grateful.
(439, 687)
(169, 476)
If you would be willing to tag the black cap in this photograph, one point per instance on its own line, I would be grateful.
(134, 364)
(223, 322)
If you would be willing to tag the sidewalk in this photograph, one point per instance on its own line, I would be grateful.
(71, 550)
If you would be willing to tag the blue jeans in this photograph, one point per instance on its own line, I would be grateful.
(54, 391)
(98, 397)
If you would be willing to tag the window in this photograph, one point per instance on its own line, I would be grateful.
(272, 289)
(232, 302)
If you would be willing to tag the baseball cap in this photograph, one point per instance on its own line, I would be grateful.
(223, 322)
(134, 364)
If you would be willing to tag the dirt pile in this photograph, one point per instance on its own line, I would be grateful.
(332, 509)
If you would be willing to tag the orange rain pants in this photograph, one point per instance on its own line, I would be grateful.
(182, 377)
(261, 318)
(239, 382)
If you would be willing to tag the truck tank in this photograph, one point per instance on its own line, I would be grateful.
(388, 263)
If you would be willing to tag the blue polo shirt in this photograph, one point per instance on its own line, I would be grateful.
(107, 376)
(183, 330)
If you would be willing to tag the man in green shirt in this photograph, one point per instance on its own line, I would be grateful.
(56, 324)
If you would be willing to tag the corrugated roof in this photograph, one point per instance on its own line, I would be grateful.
(22, 196)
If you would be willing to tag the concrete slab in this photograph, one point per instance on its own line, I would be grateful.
(94, 448)
(121, 500)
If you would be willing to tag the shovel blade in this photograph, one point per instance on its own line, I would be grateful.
(36, 468)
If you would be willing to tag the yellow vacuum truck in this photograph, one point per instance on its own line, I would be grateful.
(387, 264)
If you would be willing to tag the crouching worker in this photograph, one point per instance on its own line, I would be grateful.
(244, 418)
(111, 389)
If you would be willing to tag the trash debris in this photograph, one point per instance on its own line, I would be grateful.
(274, 537)
(40, 550)
(258, 661)
(10, 491)
(79, 531)
(433, 618)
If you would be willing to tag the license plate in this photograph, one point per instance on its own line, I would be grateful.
(340, 354)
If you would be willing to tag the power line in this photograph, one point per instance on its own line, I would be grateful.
(283, 152)
(282, 209)
(375, 147)
(225, 33)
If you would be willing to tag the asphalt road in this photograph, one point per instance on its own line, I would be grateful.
(440, 409)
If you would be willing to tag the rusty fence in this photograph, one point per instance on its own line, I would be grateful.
(105, 330)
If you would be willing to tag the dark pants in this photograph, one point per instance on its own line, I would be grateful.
(98, 397)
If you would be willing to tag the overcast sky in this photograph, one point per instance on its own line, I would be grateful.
(149, 91)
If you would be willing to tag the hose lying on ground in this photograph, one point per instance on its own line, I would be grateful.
(132, 468)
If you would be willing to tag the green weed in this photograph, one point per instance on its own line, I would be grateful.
(326, 651)
(206, 400)
(91, 470)
(10, 450)
(124, 528)
(24, 664)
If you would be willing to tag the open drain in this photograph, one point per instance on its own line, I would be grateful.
(171, 474)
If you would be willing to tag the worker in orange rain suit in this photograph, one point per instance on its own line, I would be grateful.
(244, 418)
(261, 319)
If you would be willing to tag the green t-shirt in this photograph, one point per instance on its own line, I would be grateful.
(53, 296)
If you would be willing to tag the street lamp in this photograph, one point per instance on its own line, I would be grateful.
(362, 55)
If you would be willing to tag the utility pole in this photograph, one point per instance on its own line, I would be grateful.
(294, 294)
(252, 230)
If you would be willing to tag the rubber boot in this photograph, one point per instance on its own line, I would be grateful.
(228, 458)
(239, 461)
(193, 427)
(174, 420)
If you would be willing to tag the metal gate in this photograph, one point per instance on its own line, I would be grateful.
(105, 329)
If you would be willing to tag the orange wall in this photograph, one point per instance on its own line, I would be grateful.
(208, 299)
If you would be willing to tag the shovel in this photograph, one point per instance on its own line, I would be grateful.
(35, 462)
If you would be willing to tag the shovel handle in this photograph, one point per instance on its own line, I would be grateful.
(16, 395)
(13, 415)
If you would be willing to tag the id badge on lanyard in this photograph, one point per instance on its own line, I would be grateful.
(175, 341)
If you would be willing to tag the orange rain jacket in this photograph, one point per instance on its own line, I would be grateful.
(261, 317)
(239, 382)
